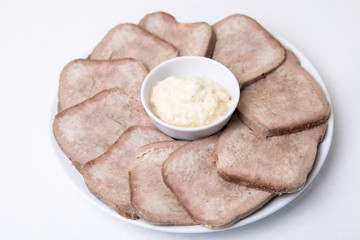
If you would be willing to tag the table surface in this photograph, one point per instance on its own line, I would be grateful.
(39, 37)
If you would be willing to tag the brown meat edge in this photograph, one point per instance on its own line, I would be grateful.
(263, 75)
(281, 131)
(211, 45)
(228, 224)
(251, 81)
(244, 182)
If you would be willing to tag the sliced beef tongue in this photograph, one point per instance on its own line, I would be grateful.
(150, 197)
(130, 40)
(246, 48)
(278, 164)
(107, 176)
(210, 200)
(192, 39)
(87, 130)
(287, 100)
(83, 78)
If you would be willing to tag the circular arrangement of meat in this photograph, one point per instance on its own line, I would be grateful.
(267, 149)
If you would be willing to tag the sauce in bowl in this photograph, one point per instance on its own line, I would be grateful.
(191, 101)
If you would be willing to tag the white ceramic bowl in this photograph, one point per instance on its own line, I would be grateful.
(191, 66)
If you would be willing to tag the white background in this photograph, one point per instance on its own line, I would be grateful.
(38, 201)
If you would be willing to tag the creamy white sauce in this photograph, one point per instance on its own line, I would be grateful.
(189, 102)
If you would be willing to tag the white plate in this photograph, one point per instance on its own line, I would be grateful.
(273, 206)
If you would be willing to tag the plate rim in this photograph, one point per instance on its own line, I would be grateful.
(275, 204)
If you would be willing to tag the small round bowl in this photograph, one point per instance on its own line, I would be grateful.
(191, 66)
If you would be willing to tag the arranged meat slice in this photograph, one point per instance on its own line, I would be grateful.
(277, 164)
(212, 201)
(150, 197)
(87, 130)
(107, 176)
(246, 48)
(129, 40)
(287, 100)
(83, 78)
(192, 39)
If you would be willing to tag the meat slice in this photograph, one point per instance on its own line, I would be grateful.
(83, 78)
(151, 198)
(130, 40)
(107, 176)
(287, 100)
(192, 39)
(246, 48)
(210, 200)
(87, 130)
(277, 164)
